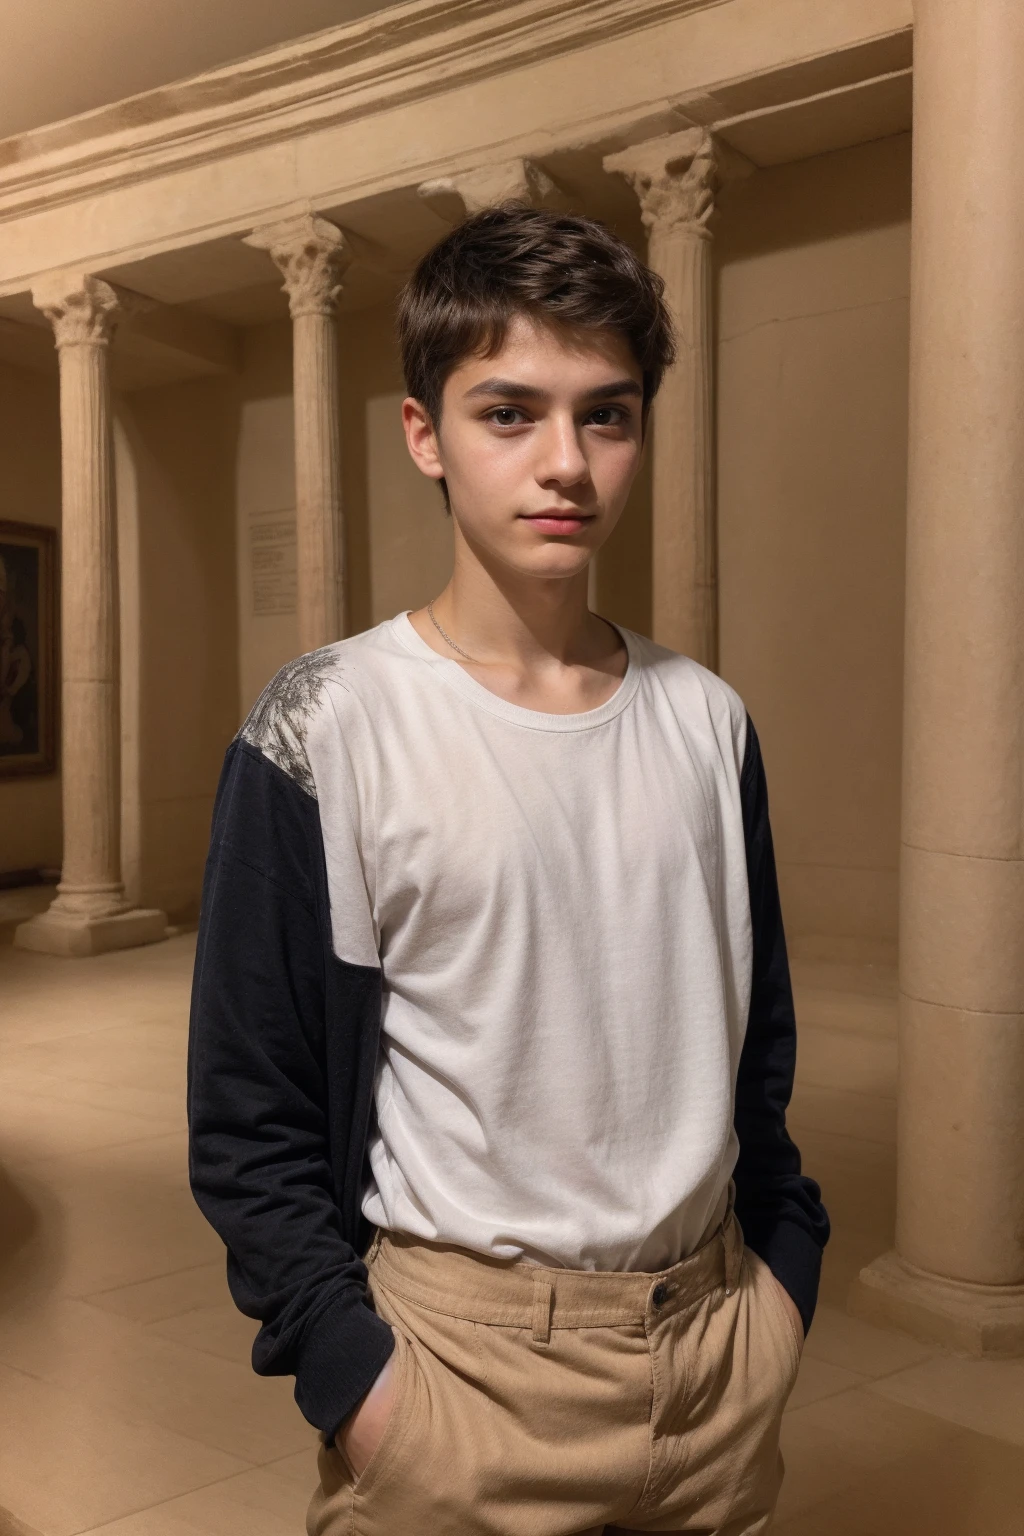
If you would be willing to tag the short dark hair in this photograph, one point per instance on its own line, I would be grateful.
(514, 259)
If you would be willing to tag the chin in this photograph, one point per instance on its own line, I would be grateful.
(553, 563)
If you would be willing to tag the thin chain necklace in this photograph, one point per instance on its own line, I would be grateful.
(451, 642)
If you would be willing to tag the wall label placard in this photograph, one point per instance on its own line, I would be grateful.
(273, 562)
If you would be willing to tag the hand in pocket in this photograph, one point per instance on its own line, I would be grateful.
(360, 1434)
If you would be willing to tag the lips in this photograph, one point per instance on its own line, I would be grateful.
(559, 520)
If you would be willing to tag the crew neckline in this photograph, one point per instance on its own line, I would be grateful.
(458, 678)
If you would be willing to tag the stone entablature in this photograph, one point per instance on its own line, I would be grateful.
(450, 85)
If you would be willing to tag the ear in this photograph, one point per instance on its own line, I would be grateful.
(421, 438)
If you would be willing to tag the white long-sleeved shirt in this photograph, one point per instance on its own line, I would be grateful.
(553, 899)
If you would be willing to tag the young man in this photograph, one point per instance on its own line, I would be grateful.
(492, 1033)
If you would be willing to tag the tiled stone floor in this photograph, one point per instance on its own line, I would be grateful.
(127, 1403)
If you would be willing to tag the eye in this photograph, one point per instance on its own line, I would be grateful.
(609, 415)
(505, 415)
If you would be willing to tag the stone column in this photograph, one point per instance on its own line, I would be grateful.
(312, 254)
(675, 178)
(956, 1275)
(89, 913)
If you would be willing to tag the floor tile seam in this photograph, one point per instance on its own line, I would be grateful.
(134, 1141)
(950, 1429)
(955, 1425)
(243, 1370)
(872, 1376)
(78, 1077)
(166, 1275)
(137, 1421)
(823, 1397)
(144, 1325)
(862, 1376)
(150, 1324)
(145, 1509)
(173, 1124)
(94, 1082)
(197, 1349)
(897, 1370)
(19, 1370)
(40, 1093)
(825, 1506)
(75, 1295)
(47, 1304)
(13, 1159)
(137, 1021)
(166, 1120)
(132, 1422)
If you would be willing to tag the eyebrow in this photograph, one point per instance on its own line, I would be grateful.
(509, 389)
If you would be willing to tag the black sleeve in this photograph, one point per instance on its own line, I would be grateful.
(259, 1138)
(778, 1207)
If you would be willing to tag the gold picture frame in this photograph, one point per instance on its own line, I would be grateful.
(29, 622)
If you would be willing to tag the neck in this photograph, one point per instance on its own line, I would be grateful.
(501, 615)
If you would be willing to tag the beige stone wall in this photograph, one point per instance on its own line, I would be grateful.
(813, 294)
(30, 808)
(177, 499)
(401, 553)
(265, 496)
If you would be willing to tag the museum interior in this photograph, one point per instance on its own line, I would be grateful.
(207, 212)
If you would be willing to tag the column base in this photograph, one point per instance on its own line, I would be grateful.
(59, 933)
(986, 1321)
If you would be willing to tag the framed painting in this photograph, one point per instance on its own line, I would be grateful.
(28, 649)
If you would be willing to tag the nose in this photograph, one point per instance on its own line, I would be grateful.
(562, 460)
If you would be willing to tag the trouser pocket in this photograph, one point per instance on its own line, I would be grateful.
(394, 1424)
(768, 1297)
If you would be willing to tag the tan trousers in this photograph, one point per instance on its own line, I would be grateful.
(544, 1402)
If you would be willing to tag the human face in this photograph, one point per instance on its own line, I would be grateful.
(538, 445)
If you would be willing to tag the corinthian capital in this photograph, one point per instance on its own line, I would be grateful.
(311, 254)
(82, 309)
(675, 177)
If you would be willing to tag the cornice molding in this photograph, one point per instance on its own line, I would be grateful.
(404, 54)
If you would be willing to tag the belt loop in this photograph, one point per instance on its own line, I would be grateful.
(371, 1252)
(542, 1293)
